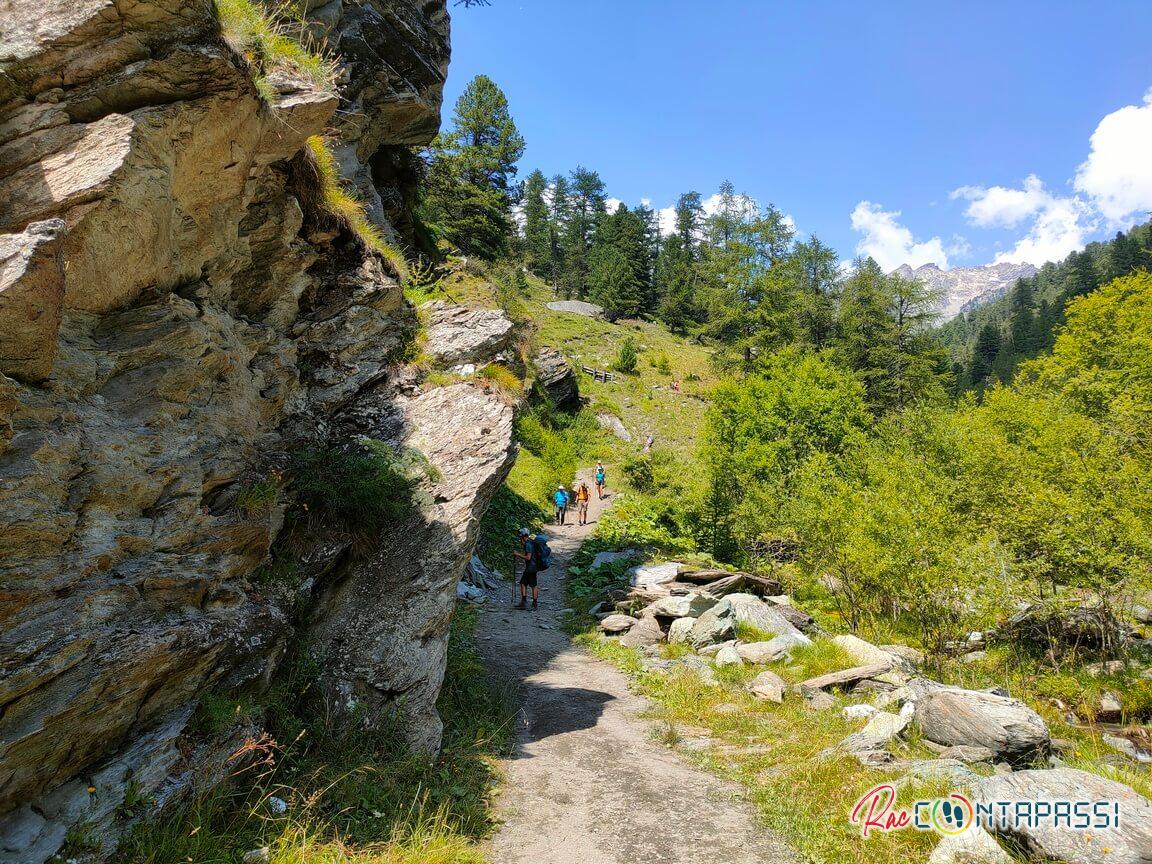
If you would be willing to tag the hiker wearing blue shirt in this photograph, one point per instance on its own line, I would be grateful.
(561, 501)
(599, 481)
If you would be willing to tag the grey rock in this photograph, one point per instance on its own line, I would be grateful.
(973, 846)
(880, 730)
(617, 623)
(1009, 728)
(713, 650)
(257, 856)
(718, 624)
(967, 753)
(728, 656)
(818, 700)
(646, 632)
(557, 378)
(843, 677)
(768, 685)
(614, 425)
(1130, 843)
(577, 307)
(973, 656)
(753, 611)
(774, 649)
(857, 712)
(681, 606)
(679, 629)
(458, 334)
(654, 574)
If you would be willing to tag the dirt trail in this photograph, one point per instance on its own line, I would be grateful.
(587, 784)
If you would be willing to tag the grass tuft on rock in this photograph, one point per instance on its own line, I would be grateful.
(269, 44)
(343, 207)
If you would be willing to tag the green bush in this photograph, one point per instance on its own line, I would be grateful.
(626, 358)
(362, 488)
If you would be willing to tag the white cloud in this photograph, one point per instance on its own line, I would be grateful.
(1062, 226)
(1001, 206)
(1059, 225)
(1117, 176)
(890, 243)
(611, 204)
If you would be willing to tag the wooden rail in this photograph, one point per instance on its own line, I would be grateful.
(599, 374)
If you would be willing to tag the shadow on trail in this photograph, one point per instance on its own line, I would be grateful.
(549, 710)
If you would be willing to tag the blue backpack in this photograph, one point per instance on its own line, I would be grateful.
(542, 553)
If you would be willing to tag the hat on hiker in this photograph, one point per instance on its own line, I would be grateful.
(523, 532)
(560, 488)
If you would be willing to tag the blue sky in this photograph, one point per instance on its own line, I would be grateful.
(929, 131)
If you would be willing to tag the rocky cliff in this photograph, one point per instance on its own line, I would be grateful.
(178, 323)
(965, 288)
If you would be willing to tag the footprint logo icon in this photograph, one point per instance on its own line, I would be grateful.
(952, 816)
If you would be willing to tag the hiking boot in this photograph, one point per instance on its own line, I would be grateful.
(523, 604)
(533, 605)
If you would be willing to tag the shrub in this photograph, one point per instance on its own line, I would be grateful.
(626, 358)
(256, 498)
(639, 474)
(662, 364)
(362, 489)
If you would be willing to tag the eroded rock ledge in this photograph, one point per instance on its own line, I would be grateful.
(173, 325)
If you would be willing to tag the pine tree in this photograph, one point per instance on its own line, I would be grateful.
(467, 191)
(537, 230)
(675, 283)
(988, 344)
(585, 207)
(612, 282)
(689, 221)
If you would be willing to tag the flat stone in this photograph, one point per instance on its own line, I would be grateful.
(1009, 728)
(718, 624)
(774, 649)
(728, 656)
(973, 846)
(681, 606)
(617, 623)
(844, 676)
(644, 633)
(654, 574)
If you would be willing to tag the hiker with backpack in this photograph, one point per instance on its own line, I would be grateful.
(560, 499)
(583, 494)
(536, 555)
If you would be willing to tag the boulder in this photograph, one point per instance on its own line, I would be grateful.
(701, 667)
(912, 656)
(458, 334)
(800, 620)
(1009, 728)
(865, 653)
(557, 379)
(754, 612)
(1053, 626)
(614, 425)
(728, 656)
(718, 624)
(713, 650)
(654, 574)
(644, 633)
(1130, 842)
(768, 685)
(973, 846)
(818, 700)
(881, 729)
(618, 623)
(772, 650)
(857, 712)
(679, 629)
(681, 606)
(577, 307)
(1110, 709)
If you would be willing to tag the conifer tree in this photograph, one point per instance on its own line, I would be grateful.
(537, 230)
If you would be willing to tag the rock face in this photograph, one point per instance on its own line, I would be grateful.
(951, 717)
(557, 379)
(457, 334)
(178, 323)
(965, 288)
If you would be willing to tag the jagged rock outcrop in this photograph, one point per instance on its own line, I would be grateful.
(557, 379)
(175, 323)
(962, 289)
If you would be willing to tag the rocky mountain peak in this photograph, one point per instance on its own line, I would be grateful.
(963, 288)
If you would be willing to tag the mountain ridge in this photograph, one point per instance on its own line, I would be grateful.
(964, 288)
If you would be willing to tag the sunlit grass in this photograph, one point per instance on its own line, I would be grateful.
(268, 44)
(343, 206)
